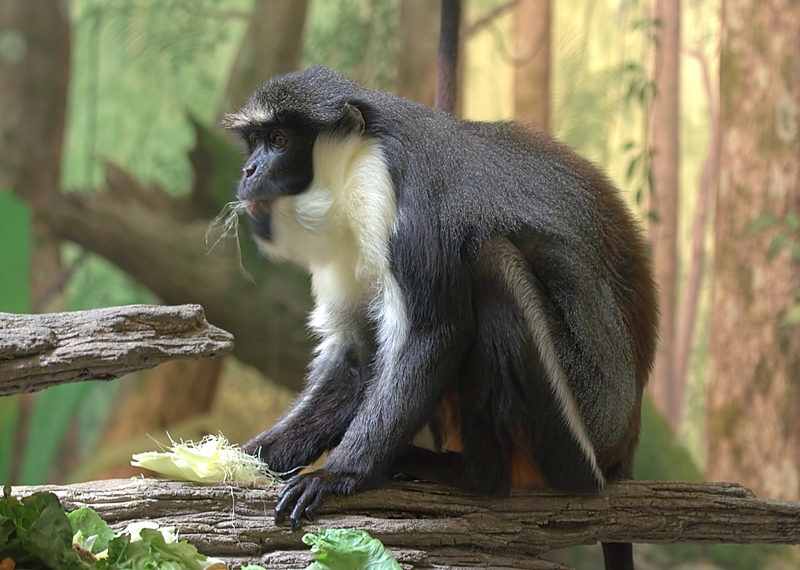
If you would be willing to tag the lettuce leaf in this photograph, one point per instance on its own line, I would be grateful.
(90, 532)
(342, 549)
(154, 552)
(41, 536)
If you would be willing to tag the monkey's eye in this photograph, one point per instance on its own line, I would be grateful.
(278, 139)
(253, 138)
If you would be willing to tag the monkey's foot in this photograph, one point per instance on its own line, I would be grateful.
(303, 494)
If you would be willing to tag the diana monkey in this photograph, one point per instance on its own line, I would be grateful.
(477, 277)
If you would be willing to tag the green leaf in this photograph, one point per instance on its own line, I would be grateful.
(15, 255)
(9, 412)
(776, 246)
(763, 221)
(794, 251)
(7, 527)
(89, 524)
(41, 535)
(792, 221)
(117, 547)
(49, 538)
(342, 549)
(632, 167)
(153, 551)
(791, 318)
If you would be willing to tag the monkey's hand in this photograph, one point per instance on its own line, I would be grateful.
(282, 458)
(303, 494)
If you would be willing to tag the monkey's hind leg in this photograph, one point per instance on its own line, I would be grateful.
(517, 376)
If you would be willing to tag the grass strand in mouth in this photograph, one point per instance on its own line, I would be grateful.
(224, 226)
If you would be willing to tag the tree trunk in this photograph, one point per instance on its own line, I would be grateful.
(667, 395)
(753, 425)
(447, 68)
(532, 65)
(34, 76)
(416, 63)
(687, 315)
(272, 45)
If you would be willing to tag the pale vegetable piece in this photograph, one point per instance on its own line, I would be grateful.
(213, 460)
(135, 530)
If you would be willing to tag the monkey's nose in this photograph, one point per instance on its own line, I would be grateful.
(249, 171)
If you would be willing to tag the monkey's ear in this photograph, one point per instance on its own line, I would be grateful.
(351, 122)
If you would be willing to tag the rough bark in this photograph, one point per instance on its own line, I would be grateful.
(532, 63)
(666, 393)
(38, 351)
(34, 77)
(447, 524)
(753, 427)
(272, 45)
(416, 63)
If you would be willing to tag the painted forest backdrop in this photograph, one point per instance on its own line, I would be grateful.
(112, 165)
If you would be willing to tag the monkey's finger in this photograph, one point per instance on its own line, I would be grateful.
(287, 497)
(311, 496)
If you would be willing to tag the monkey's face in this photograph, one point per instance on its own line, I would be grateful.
(280, 125)
(278, 163)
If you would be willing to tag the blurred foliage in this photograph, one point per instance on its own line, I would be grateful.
(17, 241)
(142, 71)
(661, 455)
(786, 239)
(140, 68)
(15, 260)
(355, 37)
(602, 87)
(94, 283)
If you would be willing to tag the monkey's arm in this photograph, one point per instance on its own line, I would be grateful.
(316, 422)
(411, 375)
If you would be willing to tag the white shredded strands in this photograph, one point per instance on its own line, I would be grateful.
(226, 225)
(213, 460)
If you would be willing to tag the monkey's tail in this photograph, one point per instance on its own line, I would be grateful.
(618, 555)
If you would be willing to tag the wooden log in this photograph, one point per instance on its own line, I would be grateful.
(444, 526)
(38, 351)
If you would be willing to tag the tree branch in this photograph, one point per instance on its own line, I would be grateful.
(39, 351)
(490, 17)
(445, 524)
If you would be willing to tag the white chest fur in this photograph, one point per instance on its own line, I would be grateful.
(339, 229)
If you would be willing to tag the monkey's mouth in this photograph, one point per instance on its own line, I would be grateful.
(259, 214)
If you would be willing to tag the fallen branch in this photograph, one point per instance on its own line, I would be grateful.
(38, 351)
(428, 525)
